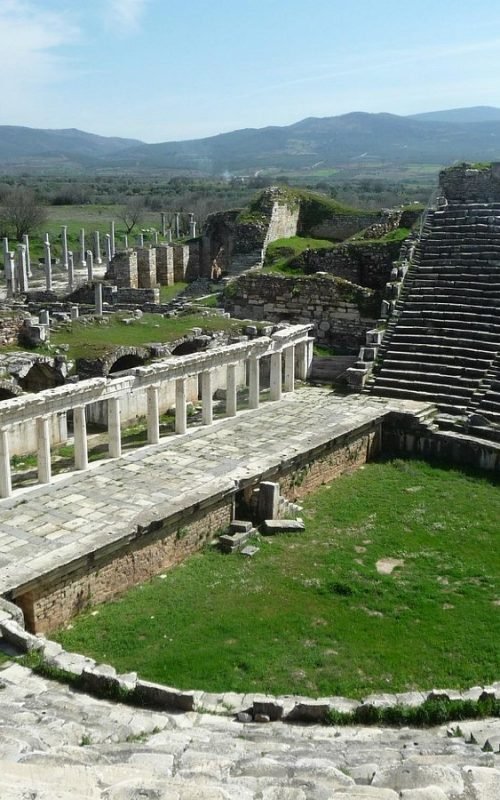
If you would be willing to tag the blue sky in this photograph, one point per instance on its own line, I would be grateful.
(159, 70)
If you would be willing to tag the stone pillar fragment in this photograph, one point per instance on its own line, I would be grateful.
(90, 266)
(10, 276)
(5, 473)
(177, 225)
(97, 248)
(83, 262)
(71, 271)
(153, 415)
(253, 382)
(109, 249)
(98, 299)
(80, 437)
(48, 265)
(112, 238)
(207, 408)
(43, 450)
(114, 431)
(64, 244)
(301, 354)
(276, 376)
(163, 223)
(22, 272)
(289, 383)
(231, 391)
(26, 242)
(180, 406)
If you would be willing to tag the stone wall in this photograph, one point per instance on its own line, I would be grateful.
(340, 311)
(10, 327)
(340, 226)
(150, 551)
(467, 184)
(364, 263)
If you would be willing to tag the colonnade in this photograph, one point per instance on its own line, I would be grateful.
(288, 360)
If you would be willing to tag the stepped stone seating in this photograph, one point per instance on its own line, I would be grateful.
(443, 342)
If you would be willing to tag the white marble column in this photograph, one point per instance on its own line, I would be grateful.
(98, 299)
(90, 266)
(10, 274)
(276, 376)
(309, 353)
(5, 474)
(140, 240)
(97, 248)
(71, 271)
(48, 265)
(253, 382)
(180, 406)
(177, 224)
(289, 383)
(125, 241)
(26, 242)
(231, 391)
(5, 250)
(109, 249)
(301, 350)
(80, 437)
(83, 261)
(112, 238)
(207, 409)
(22, 272)
(153, 415)
(64, 243)
(163, 223)
(43, 450)
(114, 432)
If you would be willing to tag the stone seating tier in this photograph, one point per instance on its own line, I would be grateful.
(444, 337)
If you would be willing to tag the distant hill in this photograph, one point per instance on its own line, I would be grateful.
(461, 135)
(22, 145)
(474, 114)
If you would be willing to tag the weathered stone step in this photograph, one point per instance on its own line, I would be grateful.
(444, 402)
(465, 320)
(467, 338)
(427, 366)
(439, 348)
(449, 390)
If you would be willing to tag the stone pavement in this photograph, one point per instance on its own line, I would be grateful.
(47, 526)
(58, 744)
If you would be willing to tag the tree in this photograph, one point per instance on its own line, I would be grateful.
(21, 212)
(132, 213)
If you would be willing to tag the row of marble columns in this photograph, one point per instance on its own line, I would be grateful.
(296, 358)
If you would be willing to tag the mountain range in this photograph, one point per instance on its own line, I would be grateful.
(437, 137)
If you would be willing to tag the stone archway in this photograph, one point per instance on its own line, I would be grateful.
(41, 376)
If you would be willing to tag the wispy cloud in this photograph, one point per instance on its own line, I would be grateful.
(124, 16)
(32, 59)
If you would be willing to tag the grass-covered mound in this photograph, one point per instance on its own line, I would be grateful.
(321, 613)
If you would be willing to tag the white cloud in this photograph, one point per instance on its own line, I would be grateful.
(125, 15)
(30, 59)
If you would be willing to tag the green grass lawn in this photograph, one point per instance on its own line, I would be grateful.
(311, 614)
(281, 252)
(91, 341)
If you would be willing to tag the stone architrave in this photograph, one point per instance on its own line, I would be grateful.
(64, 244)
(26, 242)
(90, 266)
(83, 262)
(22, 272)
(48, 265)
(97, 248)
(71, 271)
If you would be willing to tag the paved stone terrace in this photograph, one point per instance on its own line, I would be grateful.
(48, 526)
(58, 744)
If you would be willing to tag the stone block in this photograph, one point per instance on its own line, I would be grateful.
(241, 526)
(309, 712)
(268, 708)
(100, 679)
(274, 526)
(157, 696)
(15, 635)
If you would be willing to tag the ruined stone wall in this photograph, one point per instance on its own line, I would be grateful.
(10, 327)
(467, 184)
(53, 604)
(340, 311)
(164, 264)
(146, 267)
(367, 264)
(283, 222)
(340, 226)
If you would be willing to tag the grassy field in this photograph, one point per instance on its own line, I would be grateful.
(92, 341)
(321, 613)
(281, 252)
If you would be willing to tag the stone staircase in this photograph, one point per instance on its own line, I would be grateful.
(242, 262)
(443, 341)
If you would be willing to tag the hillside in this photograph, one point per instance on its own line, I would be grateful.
(439, 138)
